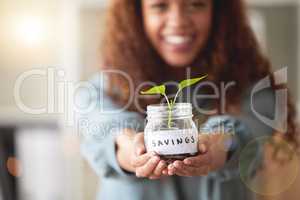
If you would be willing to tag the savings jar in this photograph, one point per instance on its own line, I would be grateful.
(171, 133)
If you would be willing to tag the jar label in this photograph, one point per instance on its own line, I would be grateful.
(170, 142)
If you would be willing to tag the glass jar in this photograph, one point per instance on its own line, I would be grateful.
(173, 139)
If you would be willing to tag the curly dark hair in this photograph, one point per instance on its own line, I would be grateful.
(232, 53)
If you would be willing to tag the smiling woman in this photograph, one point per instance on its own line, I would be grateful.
(156, 41)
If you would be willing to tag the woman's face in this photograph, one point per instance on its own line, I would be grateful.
(178, 29)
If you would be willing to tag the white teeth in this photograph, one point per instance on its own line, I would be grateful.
(174, 39)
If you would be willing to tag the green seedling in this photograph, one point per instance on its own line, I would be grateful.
(161, 89)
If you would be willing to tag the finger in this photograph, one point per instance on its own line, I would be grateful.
(202, 148)
(197, 161)
(139, 144)
(147, 169)
(179, 169)
(160, 167)
(183, 170)
(165, 172)
(141, 160)
(178, 164)
(171, 170)
(203, 142)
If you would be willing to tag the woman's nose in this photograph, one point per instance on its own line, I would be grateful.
(178, 18)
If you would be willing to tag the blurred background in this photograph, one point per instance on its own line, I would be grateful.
(45, 47)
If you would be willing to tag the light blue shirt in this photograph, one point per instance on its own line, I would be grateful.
(98, 148)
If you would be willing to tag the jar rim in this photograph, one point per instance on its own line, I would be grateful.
(162, 110)
(165, 106)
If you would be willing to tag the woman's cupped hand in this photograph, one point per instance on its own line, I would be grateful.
(133, 157)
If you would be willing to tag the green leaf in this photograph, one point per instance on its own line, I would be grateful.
(161, 89)
(189, 82)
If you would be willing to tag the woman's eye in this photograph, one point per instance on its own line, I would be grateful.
(197, 4)
(159, 6)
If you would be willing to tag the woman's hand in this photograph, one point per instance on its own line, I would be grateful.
(132, 156)
(212, 156)
(146, 164)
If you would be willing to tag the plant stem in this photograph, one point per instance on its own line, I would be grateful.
(169, 111)
(169, 106)
(176, 95)
(169, 119)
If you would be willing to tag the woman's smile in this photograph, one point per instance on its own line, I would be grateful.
(178, 43)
